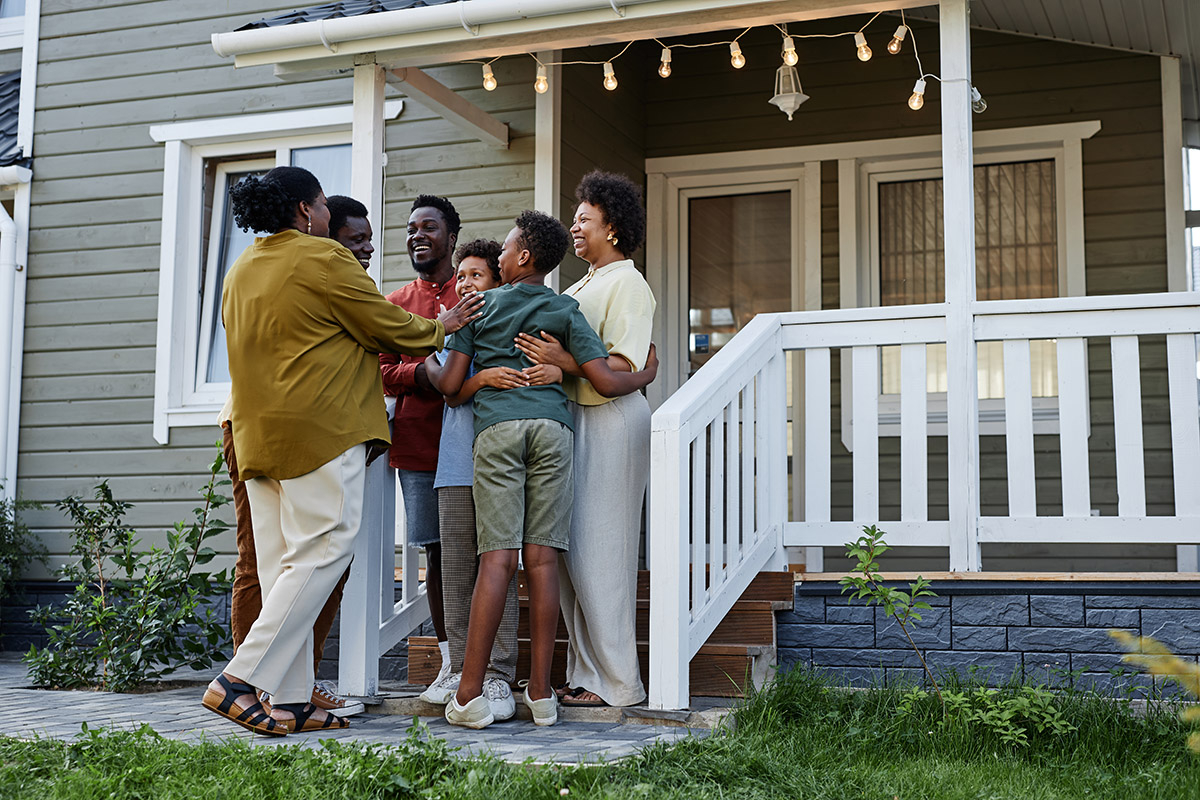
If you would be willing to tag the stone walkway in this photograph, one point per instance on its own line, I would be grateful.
(177, 714)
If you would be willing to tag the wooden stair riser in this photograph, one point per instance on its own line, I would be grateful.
(751, 622)
(712, 674)
(773, 586)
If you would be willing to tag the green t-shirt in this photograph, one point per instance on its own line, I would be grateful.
(491, 339)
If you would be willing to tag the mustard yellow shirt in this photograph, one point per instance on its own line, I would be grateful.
(618, 304)
(304, 326)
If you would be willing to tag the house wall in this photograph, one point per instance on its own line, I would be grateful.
(89, 360)
(706, 106)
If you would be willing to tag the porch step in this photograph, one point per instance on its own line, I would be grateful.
(738, 654)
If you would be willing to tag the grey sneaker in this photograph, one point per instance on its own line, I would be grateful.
(500, 698)
(545, 711)
(475, 714)
(442, 689)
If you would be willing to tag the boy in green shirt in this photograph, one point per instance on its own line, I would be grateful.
(522, 457)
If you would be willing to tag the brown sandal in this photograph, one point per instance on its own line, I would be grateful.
(254, 719)
(303, 722)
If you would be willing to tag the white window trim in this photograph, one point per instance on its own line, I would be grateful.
(179, 401)
(12, 32)
(1070, 276)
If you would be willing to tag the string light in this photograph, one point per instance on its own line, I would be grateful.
(542, 83)
(918, 95)
(789, 51)
(863, 49)
(664, 69)
(735, 55)
(978, 104)
(897, 39)
(610, 77)
(489, 79)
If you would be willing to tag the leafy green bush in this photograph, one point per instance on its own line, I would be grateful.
(134, 614)
(1006, 714)
(18, 547)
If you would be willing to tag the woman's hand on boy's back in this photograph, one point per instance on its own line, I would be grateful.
(547, 350)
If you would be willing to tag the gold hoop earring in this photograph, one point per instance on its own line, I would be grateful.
(309, 231)
(612, 238)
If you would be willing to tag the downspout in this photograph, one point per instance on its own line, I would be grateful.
(14, 251)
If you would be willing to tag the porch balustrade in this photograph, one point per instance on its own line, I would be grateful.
(719, 461)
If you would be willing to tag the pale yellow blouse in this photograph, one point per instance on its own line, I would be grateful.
(618, 304)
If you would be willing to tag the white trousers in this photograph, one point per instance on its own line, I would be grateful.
(304, 534)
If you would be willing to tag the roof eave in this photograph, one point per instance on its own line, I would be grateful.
(437, 34)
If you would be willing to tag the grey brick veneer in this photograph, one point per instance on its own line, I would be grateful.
(1053, 632)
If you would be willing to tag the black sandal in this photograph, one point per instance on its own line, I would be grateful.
(571, 698)
(254, 719)
(303, 722)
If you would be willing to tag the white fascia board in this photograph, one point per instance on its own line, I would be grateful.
(462, 30)
(272, 123)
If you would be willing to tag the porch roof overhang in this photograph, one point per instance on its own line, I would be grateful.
(426, 32)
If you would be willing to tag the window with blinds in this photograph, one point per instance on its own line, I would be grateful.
(1016, 257)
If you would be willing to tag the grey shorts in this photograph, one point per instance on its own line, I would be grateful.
(523, 486)
(420, 507)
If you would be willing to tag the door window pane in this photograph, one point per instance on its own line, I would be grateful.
(12, 8)
(739, 265)
(1016, 257)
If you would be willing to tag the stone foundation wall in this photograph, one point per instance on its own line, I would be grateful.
(1051, 632)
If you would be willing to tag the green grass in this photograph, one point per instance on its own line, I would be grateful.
(799, 739)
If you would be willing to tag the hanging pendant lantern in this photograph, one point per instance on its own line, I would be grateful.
(788, 94)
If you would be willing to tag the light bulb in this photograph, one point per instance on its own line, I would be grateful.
(864, 51)
(664, 69)
(897, 39)
(489, 80)
(735, 55)
(610, 77)
(789, 52)
(918, 96)
(978, 104)
(542, 83)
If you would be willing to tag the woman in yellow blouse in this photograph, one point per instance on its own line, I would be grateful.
(304, 326)
(612, 448)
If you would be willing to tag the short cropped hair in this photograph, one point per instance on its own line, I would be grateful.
(544, 237)
(341, 208)
(486, 249)
(442, 204)
(620, 201)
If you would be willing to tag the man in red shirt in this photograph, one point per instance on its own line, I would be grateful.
(433, 227)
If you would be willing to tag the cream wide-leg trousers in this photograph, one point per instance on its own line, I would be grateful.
(304, 533)
(598, 587)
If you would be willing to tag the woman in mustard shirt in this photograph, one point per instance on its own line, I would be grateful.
(612, 448)
(304, 326)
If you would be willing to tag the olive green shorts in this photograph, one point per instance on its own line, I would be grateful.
(523, 486)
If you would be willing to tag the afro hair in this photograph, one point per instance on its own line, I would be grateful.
(449, 213)
(544, 237)
(486, 249)
(620, 201)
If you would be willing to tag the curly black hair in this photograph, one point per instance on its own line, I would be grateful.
(544, 237)
(486, 249)
(268, 204)
(620, 200)
(341, 208)
(449, 213)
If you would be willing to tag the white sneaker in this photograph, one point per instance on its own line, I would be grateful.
(545, 711)
(475, 714)
(500, 698)
(442, 689)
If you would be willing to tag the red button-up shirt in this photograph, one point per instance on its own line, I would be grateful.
(417, 427)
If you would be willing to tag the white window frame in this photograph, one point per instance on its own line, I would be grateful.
(1070, 273)
(181, 398)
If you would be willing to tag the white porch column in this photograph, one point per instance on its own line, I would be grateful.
(366, 153)
(959, 218)
(547, 149)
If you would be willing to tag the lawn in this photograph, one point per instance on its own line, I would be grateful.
(799, 739)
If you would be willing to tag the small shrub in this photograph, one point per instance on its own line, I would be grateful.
(1008, 715)
(134, 615)
(18, 547)
(866, 583)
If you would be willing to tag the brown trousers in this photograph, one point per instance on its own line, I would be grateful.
(246, 603)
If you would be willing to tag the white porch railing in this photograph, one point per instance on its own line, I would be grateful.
(373, 621)
(718, 485)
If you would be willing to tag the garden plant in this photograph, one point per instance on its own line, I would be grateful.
(135, 614)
